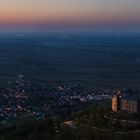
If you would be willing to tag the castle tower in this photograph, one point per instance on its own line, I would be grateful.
(116, 103)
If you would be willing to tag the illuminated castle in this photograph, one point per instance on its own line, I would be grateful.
(126, 105)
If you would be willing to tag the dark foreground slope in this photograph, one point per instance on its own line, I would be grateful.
(88, 125)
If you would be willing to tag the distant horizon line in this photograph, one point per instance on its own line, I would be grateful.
(69, 28)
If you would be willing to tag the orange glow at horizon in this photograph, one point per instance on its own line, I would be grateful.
(67, 11)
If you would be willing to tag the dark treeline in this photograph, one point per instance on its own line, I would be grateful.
(90, 124)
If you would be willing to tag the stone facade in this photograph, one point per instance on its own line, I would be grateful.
(130, 106)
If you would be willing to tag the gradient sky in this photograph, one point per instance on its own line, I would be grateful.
(70, 12)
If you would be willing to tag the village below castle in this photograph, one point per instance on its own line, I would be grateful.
(22, 99)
